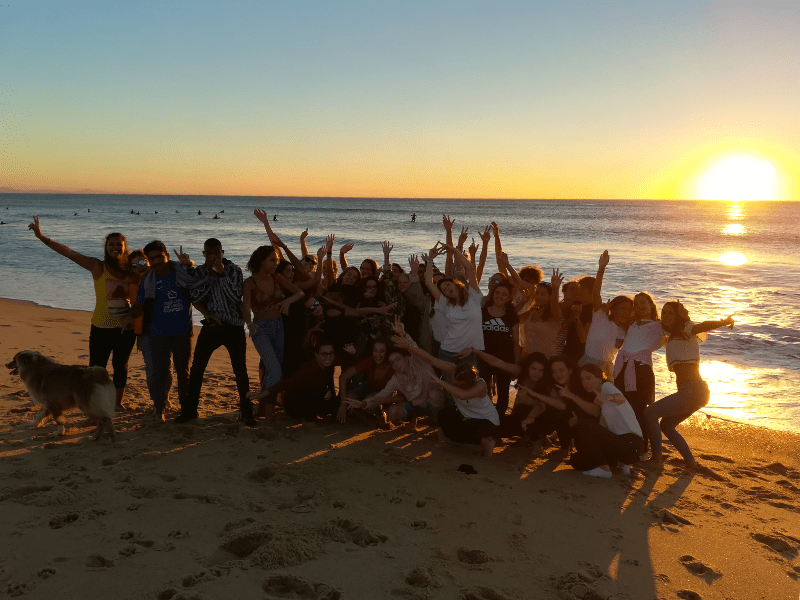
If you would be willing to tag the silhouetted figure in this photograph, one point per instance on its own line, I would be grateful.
(222, 212)
(199, 212)
(133, 212)
(76, 214)
(274, 217)
(88, 210)
(156, 212)
(215, 217)
(414, 218)
(138, 213)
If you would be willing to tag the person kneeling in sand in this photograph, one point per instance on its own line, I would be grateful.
(411, 391)
(474, 418)
(309, 391)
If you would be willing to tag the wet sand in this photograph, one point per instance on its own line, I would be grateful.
(214, 510)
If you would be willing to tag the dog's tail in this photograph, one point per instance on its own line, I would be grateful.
(103, 395)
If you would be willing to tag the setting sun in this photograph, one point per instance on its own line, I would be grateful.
(738, 177)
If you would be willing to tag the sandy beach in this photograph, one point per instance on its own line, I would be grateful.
(214, 510)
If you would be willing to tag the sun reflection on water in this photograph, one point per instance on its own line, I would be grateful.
(733, 259)
(730, 388)
(734, 229)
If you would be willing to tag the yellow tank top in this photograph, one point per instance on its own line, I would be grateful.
(112, 300)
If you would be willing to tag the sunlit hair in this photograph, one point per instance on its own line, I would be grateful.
(681, 318)
(531, 273)
(651, 302)
(465, 374)
(594, 370)
(615, 305)
(372, 265)
(258, 256)
(122, 262)
(546, 382)
(502, 284)
(463, 292)
(586, 282)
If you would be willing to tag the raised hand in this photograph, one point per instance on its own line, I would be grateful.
(346, 248)
(387, 310)
(495, 229)
(387, 248)
(473, 249)
(604, 259)
(329, 242)
(398, 326)
(262, 216)
(729, 322)
(320, 253)
(487, 233)
(349, 348)
(182, 257)
(401, 341)
(463, 236)
(556, 279)
(304, 234)
(448, 223)
(413, 264)
(37, 231)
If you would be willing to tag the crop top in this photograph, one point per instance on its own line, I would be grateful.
(686, 350)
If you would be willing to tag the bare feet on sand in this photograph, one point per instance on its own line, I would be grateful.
(488, 444)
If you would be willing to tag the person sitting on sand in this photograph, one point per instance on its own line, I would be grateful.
(410, 392)
(616, 438)
(683, 359)
(309, 393)
(473, 419)
(369, 375)
(111, 334)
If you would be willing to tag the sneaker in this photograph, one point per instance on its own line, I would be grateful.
(182, 418)
(598, 472)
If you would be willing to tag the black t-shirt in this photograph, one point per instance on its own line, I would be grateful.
(497, 337)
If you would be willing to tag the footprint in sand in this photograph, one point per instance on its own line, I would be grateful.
(699, 569)
(96, 561)
(422, 577)
(481, 593)
(45, 573)
(345, 530)
(469, 556)
(782, 544)
(688, 595)
(292, 586)
(60, 521)
(14, 589)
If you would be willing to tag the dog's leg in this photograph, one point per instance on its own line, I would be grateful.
(106, 424)
(37, 421)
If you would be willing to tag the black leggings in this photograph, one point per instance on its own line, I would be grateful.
(461, 430)
(104, 342)
(597, 446)
(642, 397)
(502, 382)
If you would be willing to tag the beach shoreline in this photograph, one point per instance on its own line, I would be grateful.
(214, 510)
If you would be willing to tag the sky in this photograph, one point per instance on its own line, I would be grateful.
(438, 99)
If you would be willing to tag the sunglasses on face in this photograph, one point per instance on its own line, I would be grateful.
(139, 263)
(310, 260)
(494, 281)
(314, 306)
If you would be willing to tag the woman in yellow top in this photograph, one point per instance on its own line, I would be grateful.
(111, 332)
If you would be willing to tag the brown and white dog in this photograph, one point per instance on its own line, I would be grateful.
(61, 387)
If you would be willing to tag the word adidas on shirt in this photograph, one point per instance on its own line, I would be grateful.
(495, 325)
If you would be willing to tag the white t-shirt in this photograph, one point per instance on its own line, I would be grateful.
(618, 418)
(478, 408)
(462, 325)
(685, 350)
(604, 338)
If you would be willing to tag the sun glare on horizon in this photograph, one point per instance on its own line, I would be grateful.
(738, 177)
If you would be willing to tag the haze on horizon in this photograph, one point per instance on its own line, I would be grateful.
(639, 100)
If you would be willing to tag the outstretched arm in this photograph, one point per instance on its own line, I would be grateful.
(477, 390)
(491, 360)
(303, 246)
(448, 228)
(498, 249)
(403, 342)
(433, 253)
(264, 218)
(597, 300)
(91, 264)
(484, 252)
(342, 258)
(712, 325)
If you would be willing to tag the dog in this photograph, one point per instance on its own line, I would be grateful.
(60, 387)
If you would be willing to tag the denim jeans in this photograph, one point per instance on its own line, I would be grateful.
(157, 350)
(673, 410)
(268, 341)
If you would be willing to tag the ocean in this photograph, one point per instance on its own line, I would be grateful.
(718, 258)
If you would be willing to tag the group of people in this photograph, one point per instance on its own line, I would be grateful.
(411, 342)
